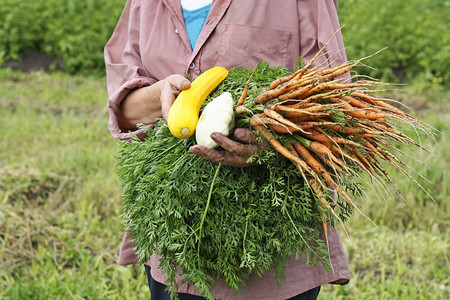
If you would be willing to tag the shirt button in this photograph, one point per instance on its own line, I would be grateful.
(176, 30)
(192, 66)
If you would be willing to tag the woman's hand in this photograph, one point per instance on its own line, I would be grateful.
(170, 87)
(145, 104)
(235, 154)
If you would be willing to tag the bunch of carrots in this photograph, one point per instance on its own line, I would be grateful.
(331, 127)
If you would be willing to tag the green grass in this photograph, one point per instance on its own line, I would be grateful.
(60, 225)
(60, 207)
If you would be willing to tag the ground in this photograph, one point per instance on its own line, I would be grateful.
(34, 62)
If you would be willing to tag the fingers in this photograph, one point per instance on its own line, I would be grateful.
(166, 103)
(183, 84)
(177, 83)
(170, 88)
(223, 157)
(206, 153)
(234, 153)
(242, 150)
(247, 136)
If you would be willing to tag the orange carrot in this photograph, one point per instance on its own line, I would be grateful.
(245, 91)
(351, 155)
(321, 96)
(344, 67)
(273, 114)
(305, 68)
(388, 128)
(340, 70)
(316, 89)
(297, 93)
(356, 84)
(323, 203)
(364, 162)
(389, 157)
(318, 135)
(294, 103)
(357, 103)
(281, 128)
(240, 109)
(265, 133)
(306, 117)
(291, 111)
(360, 113)
(319, 169)
(296, 83)
(337, 68)
(348, 130)
(373, 149)
(281, 80)
(278, 127)
(268, 95)
(322, 152)
(275, 93)
(305, 125)
(378, 102)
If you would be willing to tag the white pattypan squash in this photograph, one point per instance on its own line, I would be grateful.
(217, 116)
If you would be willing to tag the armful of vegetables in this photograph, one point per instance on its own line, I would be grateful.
(215, 123)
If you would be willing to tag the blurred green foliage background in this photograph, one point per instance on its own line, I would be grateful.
(72, 30)
(415, 32)
(60, 198)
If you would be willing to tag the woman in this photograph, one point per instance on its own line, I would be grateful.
(156, 42)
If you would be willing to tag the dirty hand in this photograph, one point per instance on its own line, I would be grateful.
(232, 153)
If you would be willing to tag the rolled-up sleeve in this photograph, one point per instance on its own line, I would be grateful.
(124, 69)
(318, 21)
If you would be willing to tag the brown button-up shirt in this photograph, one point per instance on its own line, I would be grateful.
(150, 43)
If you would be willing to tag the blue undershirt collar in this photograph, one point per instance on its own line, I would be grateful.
(194, 20)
